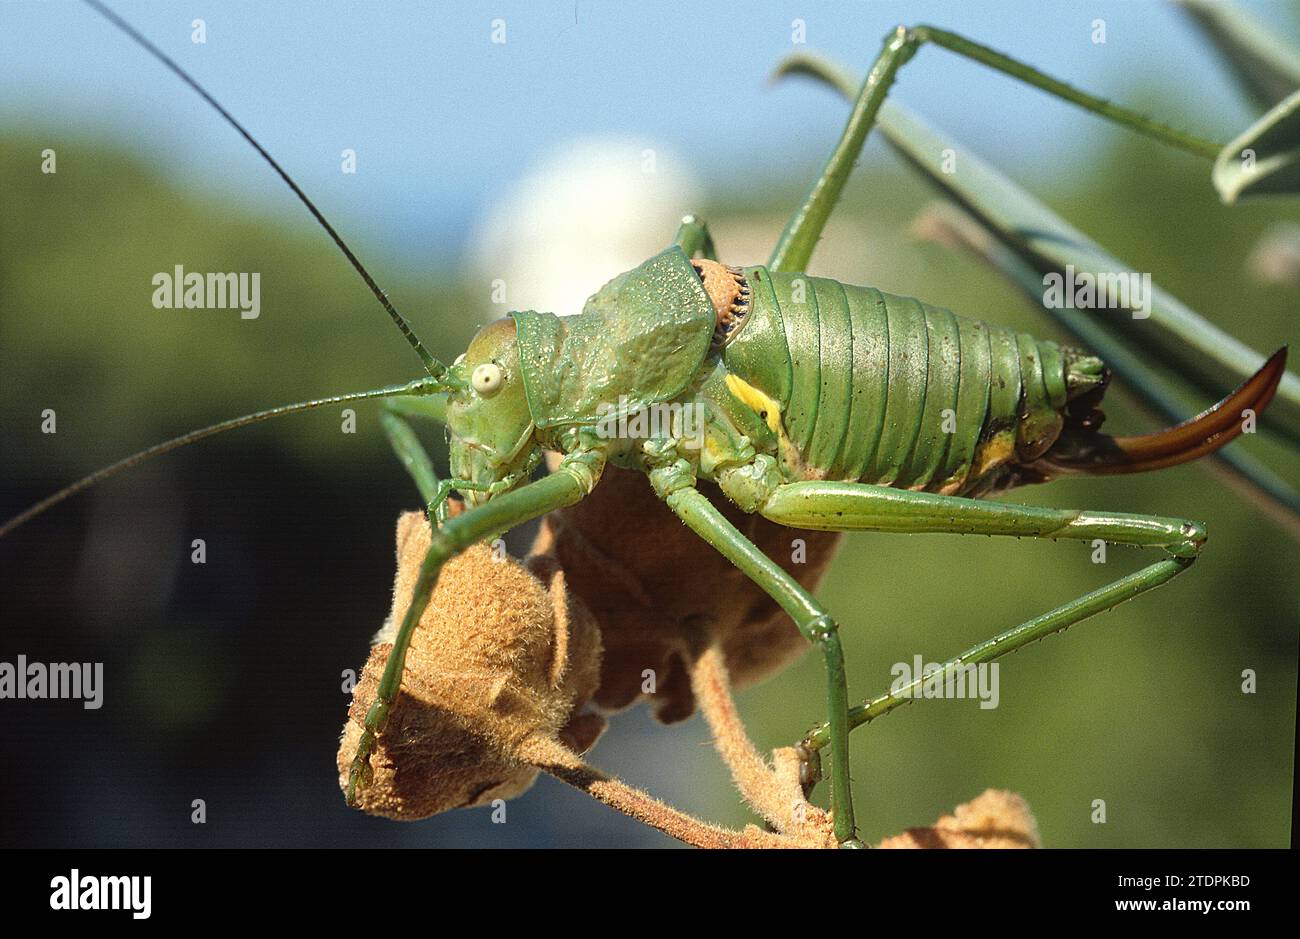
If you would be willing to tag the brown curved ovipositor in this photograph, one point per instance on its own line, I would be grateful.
(1195, 437)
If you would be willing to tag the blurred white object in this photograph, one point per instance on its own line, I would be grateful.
(590, 209)
(1276, 258)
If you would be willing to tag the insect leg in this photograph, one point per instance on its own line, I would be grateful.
(572, 480)
(842, 506)
(693, 237)
(846, 506)
(675, 485)
(1040, 627)
(401, 437)
(796, 244)
(411, 452)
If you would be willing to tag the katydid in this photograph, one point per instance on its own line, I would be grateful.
(817, 404)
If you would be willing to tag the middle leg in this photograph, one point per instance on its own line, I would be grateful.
(675, 485)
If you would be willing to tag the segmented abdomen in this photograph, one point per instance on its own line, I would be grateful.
(889, 390)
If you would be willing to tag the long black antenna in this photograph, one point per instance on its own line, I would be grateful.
(421, 386)
(431, 365)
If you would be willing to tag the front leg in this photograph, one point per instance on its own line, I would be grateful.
(408, 449)
(572, 480)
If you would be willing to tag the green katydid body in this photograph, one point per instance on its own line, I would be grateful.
(877, 388)
(789, 391)
(800, 376)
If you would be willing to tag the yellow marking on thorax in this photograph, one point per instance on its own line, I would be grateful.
(762, 405)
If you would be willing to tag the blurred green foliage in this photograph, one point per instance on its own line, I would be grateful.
(78, 249)
(1141, 708)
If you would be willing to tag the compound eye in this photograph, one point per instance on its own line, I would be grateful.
(487, 378)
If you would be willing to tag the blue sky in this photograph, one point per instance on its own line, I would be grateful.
(443, 120)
